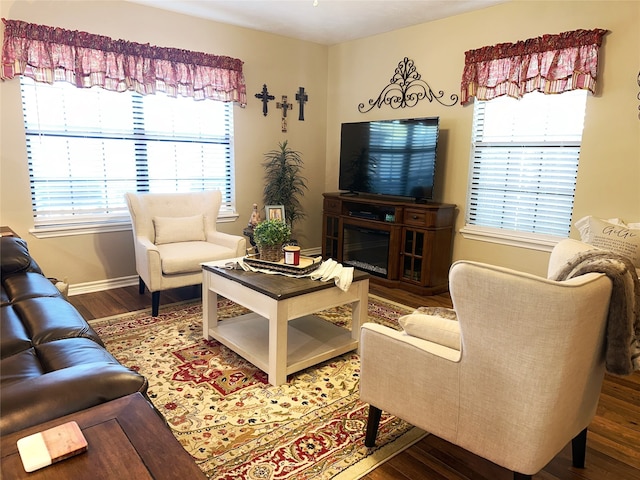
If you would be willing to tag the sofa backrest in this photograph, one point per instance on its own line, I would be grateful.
(565, 250)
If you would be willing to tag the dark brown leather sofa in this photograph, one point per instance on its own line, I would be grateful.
(52, 362)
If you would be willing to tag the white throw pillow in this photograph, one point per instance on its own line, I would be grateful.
(442, 331)
(179, 229)
(612, 235)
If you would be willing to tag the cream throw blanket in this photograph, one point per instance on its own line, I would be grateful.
(622, 354)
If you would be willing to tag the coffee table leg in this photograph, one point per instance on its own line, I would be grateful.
(359, 309)
(278, 335)
(209, 306)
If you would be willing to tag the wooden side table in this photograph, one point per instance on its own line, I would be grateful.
(6, 231)
(248, 232)
(127, 439)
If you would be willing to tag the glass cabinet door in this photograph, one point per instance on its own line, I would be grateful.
(331, 237)
(413, 246)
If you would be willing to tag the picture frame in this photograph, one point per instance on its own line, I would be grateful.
(274, 212)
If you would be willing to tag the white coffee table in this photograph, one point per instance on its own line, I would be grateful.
(280, 335)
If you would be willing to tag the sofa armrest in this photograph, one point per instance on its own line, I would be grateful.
(563, 252)
(30, 402)
(15, 257)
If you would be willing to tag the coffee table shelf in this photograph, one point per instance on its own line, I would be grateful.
(310, 340)
(281, 335)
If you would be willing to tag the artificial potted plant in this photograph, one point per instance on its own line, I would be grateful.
(283, 182)
(269, 237)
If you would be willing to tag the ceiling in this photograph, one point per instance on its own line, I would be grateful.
(328, 22)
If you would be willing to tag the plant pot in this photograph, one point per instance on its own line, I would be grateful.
(271, 253)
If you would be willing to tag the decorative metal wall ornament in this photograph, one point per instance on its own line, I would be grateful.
(406, 89)
(265, 97)
(284, 105)
(301, 98)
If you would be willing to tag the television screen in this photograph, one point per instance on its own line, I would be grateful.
(389, 157)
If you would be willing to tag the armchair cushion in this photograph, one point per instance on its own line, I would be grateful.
(187, 257)
(179, 229)
(440, 330)
(612, 235)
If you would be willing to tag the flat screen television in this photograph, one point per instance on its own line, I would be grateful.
(389, 157)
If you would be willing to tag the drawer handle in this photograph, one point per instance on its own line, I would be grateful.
(415, 217)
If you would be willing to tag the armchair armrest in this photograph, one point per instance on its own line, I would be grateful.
(425, 373)
(146, 244)
(407, 341)
(148, 263)
(233, 242)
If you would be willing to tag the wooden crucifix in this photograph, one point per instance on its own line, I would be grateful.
(284, 105)
(301, 98)
(265, 97)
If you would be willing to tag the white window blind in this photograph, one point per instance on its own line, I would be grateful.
(87, 147)
(524, 163)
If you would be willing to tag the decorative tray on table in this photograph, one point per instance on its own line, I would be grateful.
(307, 265)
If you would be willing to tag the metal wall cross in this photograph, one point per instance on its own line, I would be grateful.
(301, 98)
(284, 105)
(265, 97)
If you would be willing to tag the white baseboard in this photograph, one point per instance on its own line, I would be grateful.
(109, 283)
(100, 285)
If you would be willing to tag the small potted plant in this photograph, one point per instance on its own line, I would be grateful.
(269, 237)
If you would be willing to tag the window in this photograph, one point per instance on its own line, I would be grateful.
(523, 168)
(87, 147)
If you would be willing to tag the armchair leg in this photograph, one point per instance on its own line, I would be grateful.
(578, 452)
(155, 303)
(140, 286)
(372, 426)
(579, 449)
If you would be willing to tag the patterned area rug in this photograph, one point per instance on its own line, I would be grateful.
(232, 421)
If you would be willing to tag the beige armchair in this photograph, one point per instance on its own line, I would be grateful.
(173, 234)
(516, 378)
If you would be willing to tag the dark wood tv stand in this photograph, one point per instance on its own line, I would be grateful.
(402, 243)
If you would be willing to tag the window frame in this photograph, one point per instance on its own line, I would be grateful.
(102, 222)
(505, 236)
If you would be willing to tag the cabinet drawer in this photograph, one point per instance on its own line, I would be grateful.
(331, 205)
(420, 218)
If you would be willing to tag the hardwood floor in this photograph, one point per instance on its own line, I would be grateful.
(613, 442)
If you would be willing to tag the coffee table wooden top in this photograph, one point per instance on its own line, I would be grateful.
(278, 287)
(127, 439)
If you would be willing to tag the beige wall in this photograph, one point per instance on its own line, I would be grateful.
(337, 79)
(283, 64)
(609, 172)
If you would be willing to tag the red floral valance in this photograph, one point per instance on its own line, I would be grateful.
(548, 64)
(50, 54)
